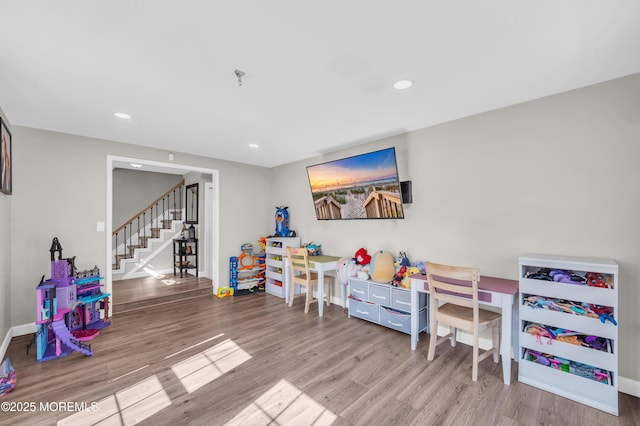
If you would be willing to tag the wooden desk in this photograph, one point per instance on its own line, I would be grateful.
(319, 264)
(498, 292)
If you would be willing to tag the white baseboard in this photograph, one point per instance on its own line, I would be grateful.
(19, 330)
(5, 344)
(629, 386)
(143, 274)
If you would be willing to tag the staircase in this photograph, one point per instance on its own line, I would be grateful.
(147, 233)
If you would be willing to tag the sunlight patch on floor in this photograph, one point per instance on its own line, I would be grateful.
(284, 404)
(148, 397)
(204, 367)
(151, 271)
(130, 406)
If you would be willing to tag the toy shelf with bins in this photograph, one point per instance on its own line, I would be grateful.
(276, 252)
(385, 305)
(581, 383)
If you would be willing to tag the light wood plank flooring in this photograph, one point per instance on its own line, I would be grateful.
(136, 293)
(250, 360)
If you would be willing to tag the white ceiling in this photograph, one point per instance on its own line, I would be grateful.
(319, 74)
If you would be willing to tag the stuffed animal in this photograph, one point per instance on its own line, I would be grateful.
(314, 249)
(362, 257)
(345, 269)
(422, 267)
(363, 272)
(402, 260)
(406, 280)
(399, 276)
(381, 267)
(401, 263)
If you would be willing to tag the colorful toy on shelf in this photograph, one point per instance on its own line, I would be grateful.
(605, 313)
(71, 308)
(421, 266)
(597, 280)
(246, 260)
(362, 257)
(346, 268)
(406, 281)
(381, 267)
(263, 243)
(282, 223)
(573, 367)
(402, 264)
(314, 249)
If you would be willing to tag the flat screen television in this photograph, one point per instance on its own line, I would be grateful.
(364, 186)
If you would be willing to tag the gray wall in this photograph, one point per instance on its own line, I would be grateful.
(134, 190)
(52, 169)
(5, 253)
(558, 175)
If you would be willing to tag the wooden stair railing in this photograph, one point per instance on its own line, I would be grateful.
(158, 215)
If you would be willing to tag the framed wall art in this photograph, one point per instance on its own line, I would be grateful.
(6, 170)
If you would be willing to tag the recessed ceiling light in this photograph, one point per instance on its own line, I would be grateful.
(403, 84)
(136, 165)
(254, 145)
(123, 115)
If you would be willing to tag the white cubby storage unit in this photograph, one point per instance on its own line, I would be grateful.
(592, 378)
(276, 251)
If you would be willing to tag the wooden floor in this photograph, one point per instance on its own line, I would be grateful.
(250, 360)
(136, 293)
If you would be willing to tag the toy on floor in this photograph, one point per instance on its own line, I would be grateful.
(71, 308)
(224, 292)
(8, 377)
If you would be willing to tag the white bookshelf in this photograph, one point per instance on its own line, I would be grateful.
(598, 394)
(276, 252)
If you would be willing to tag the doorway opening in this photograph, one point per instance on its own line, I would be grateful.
(210, 245)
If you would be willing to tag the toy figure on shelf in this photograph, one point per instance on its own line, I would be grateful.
(314, 249)
(362, 257)
(282, 223)
(402, 264)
